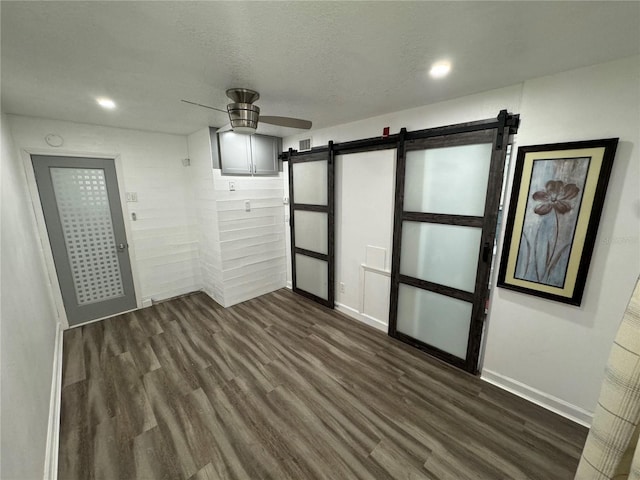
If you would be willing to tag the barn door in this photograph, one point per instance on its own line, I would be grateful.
(447, 197)
(311, 187)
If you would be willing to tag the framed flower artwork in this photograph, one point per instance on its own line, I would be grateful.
(556, 201)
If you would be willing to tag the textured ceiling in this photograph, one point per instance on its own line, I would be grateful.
(329, 62)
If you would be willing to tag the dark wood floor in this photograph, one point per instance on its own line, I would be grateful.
(278, 387)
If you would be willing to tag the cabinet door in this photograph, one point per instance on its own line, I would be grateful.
(235, 153)
(264, 152)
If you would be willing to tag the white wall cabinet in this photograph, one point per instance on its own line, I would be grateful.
(248, 154)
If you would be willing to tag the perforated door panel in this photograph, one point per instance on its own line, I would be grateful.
(83, 204)
(82, 211)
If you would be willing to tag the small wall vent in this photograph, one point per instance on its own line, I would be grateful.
(304, 145)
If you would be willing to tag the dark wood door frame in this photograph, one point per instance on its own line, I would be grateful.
(464, 134)
(326, 154)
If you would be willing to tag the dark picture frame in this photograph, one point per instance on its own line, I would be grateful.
(556, 202)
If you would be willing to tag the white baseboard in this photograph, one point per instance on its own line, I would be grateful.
(53, 431)
(289, 285)
(362, 317)
(555, 404)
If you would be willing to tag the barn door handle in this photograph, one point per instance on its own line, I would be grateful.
(486, 251)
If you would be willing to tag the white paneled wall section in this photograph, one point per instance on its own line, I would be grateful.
(206, 212)
(243, 252)
(252, 243)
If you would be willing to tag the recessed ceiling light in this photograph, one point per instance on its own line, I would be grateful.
(440, 69)
(106, 103)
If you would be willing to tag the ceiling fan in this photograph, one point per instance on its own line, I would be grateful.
(244, 115)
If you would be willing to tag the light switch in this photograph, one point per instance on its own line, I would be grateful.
(132, 196)
(247, 206)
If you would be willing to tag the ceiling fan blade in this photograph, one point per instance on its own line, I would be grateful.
(224, 128)
(205, 106)
(286, 122)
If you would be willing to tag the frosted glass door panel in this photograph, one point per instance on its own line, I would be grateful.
(435, 319)
(85, 226)
(310, 182)
(444, 254)
(451, 180)
(83, 205)
(311, 231)
(312, 275)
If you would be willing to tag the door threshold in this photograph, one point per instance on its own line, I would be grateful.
(153, 302)
(101, 318)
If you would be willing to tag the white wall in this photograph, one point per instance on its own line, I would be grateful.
(556, 349)
(287, 224)
(163, 241)
(364, 193)
(243, 252)
(28, 326)
(201, 177)
(546, 351)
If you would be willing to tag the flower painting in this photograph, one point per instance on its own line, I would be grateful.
(551, 214)
(556, 201)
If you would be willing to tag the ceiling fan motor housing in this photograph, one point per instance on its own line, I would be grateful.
(243, 115)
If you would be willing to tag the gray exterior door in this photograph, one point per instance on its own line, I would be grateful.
(83, 214)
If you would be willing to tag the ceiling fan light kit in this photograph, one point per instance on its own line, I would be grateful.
(244, 115)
